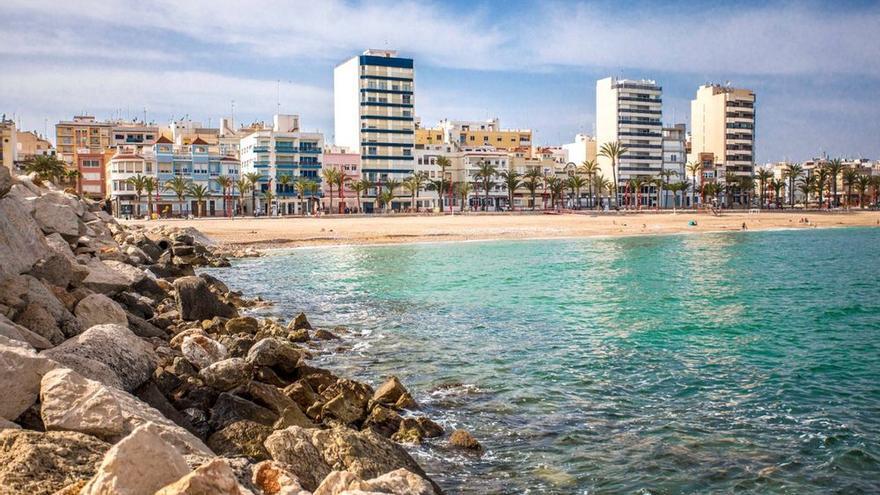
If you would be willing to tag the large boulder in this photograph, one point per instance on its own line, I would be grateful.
(241, 438)
(315, 453)
(110, 354)
(45, 314)
(57, 270)
(98, 309)
(139, 464)
(463, 440)
(227, 374)
(202, 351)
(102, 278)
(195, 301)
(132, 275)
(391, 393)
(21, 241)
(242, 324)
(275, 352)
(20, 373)
(14, 331)
(230, 408)
(41, 463)
(400, 482)
(74, 403)
(213, 477)
(55, 217)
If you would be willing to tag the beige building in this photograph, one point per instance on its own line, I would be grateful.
(82, 135)
(723, 131)
(31, 144)
(465, 133)
(8, 147)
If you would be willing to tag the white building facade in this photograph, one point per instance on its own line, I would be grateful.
(374, 101)
(630, 112)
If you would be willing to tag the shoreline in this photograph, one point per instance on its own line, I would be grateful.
(268, 235)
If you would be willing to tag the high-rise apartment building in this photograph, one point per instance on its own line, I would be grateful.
(723, 131)
(630, 112)
(374, 100)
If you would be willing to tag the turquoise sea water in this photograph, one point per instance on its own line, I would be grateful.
(716, 363)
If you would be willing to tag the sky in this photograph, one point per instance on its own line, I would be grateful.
(815, 67)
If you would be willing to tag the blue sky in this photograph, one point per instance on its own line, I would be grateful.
(815, 67)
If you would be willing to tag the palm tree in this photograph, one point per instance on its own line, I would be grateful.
(392, 184)
(268, 196)
(850, 177)
(821, 178)
(413, 186)
(601, 184)
(302, 186)
(675, 187)
(695, 168)
(834, 168)
(150, 186)
(806, 186)
(712, 189)
(47, 167)
(636, 184)
(665, 174)
(359, 186)
(511, 180)
(746, 189)
(138, 182)
(613, 150)
(875, 185)
(330, 175)
(576, 182)
(764, 176)
(179, 186)
(589, 168)
(485, 175)
(557, 189)
(464, 189)
(199, 193)
(533, 180)
(792, 172)
(658, 183)
(777, 185)
(385, 198)
(225, 183)
(244, 185)
(254, 179)
(731, 184)
(284, 182)
(340, 181)
(862, 183)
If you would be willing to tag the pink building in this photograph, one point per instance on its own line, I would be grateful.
(350, 165)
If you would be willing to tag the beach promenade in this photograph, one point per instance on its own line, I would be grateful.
(293, 231)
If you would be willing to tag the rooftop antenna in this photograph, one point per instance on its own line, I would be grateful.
(278, 96)
(233, 113)
(145, 115)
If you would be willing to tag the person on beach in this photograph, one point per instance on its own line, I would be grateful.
(744, 227)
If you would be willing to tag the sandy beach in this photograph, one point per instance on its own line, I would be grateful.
(267, 233)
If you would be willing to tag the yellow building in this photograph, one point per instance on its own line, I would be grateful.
(723, 130)
(82, 135)
(31, 144)
(8, 148)
(474, 134)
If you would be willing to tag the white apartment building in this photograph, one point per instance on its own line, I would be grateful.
(581, 150)
(630, 112)
(374, 101)
(282, 151)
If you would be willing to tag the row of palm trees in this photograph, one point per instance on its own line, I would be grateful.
(820, 184)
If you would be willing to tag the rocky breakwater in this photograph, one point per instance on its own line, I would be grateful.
(124, 372)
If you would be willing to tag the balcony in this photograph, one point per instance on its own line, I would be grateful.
(640, 99)
(261, 149)
(640, 134)
(639, 110)
(313, 151)
(651, 122)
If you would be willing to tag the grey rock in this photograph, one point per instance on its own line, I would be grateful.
(21, 241)
(110, 354)
(195, 301)
(20, 373)
(98, 309)
(227, 374)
